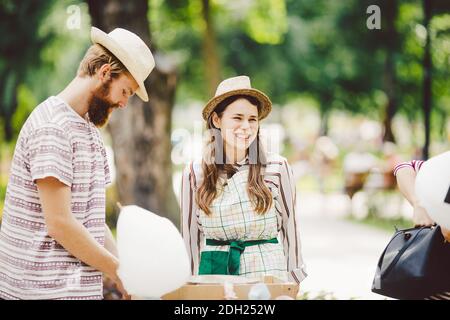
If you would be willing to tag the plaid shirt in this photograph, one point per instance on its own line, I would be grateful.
(234, 219)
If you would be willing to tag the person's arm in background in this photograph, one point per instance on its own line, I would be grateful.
(55, 198)
(406, 179)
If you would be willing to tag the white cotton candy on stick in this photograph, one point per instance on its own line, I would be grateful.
(432, 186)
(153, 259)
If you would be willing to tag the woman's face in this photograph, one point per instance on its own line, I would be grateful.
(239, 124)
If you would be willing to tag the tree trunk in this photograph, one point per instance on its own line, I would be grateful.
(390, 79)
(325, 111)
(141, 133)
(427, 66)
(391, 105)
(212, 64)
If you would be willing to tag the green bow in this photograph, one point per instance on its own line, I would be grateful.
(237, 247)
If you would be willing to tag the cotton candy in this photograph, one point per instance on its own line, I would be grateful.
(153, 259)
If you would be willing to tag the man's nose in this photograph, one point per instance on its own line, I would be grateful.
(123, 103)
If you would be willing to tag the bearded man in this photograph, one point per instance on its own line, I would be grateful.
(54, 242)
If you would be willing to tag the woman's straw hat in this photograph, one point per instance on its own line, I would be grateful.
(237, 86)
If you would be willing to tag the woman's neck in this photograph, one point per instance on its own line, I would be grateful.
(234, 155)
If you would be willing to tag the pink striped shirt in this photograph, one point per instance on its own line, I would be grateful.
(54, 142)
(414, 164)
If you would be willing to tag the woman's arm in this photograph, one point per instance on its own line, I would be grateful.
(189, 219)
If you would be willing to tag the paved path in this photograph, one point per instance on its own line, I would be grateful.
(340, 255)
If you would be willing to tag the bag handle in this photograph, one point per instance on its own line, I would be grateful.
(397, 232)
(399, 254)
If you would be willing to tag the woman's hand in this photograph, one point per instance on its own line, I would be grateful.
(421, 218)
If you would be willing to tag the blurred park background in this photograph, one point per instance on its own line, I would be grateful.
(353, 96)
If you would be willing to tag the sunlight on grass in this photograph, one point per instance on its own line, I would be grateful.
(383, 223)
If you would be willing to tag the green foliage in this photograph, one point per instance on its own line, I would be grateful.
(25, 104)
(21, 21)
(19, 43)
(38, 54)
(2, 196)
(290, 48)
(387, 224)
(266, 21)
(178, 30)
(5, 154)
(320, 48)
(61, 56)
(112, 210)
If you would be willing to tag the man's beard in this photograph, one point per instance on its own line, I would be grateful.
(100, 107)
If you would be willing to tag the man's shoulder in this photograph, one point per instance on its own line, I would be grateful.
(50, 113)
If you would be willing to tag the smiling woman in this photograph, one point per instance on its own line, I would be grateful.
(238, 203)
(237, 119)
(236, 126)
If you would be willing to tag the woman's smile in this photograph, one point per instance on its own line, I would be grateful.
(243, 136)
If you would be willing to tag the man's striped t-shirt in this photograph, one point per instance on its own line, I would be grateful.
(55, 141)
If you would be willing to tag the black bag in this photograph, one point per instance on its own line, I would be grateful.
(414, 265)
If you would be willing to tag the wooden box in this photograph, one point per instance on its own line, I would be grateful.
(215, 291)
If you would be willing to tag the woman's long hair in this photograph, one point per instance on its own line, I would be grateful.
(214, 163)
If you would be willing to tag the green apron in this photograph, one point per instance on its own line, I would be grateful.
(226, 262)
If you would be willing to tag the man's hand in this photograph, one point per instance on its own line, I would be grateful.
(446, 233)
(119, 285)
(421, 218)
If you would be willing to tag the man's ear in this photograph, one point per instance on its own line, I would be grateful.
(104, 72)
(215, 120)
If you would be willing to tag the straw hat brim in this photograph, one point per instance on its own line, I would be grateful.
(102, 38)
(265, 103)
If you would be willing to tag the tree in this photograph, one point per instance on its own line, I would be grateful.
(427, 67)
(141, 134)
(430, 8)
(20, 45)
(391, 47)
(212, 64)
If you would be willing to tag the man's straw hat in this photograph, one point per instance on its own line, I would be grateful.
(131, 51)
